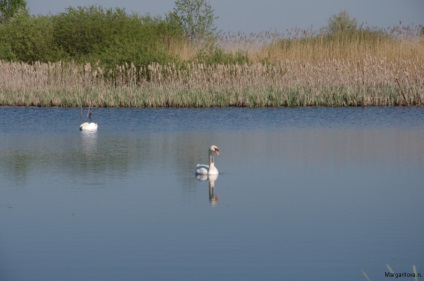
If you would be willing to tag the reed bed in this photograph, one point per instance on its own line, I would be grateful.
(370, 82)
(348, 71)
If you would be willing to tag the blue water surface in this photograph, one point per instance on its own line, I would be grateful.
(303, 194)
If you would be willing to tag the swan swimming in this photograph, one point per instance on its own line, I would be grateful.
(210, 169)
(88, 126)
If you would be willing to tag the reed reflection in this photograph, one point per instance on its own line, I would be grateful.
(213, 199)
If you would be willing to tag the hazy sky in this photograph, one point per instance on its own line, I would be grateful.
(261, 15)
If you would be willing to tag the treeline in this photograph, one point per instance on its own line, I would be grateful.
(89, 34)
(112, 37)
(109, 37)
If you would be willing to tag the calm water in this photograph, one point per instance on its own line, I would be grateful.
(303, 194)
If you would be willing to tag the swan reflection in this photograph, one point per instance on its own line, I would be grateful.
(89, 141)
(213, 199)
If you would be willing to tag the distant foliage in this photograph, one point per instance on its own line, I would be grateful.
(11, 8)
(29, 39)
(112, 36)
(195, 18)
(341, 22)
(88, 34)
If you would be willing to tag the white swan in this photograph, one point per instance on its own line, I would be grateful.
(88, 126)
(210, 169)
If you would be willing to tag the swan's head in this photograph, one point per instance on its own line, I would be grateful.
(214, 149)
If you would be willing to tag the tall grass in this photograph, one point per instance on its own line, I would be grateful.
(330, 83)
(365, 68)
(309, 46)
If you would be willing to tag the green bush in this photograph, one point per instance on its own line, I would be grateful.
(29, 39)
(89, 34)
(142, 41)
(83, 31)
(6, 52)
(113, 37)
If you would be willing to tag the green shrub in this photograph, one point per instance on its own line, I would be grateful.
(29, 39)
(89, 34)
(6, 52)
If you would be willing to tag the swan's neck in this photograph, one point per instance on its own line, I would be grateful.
(211, 159)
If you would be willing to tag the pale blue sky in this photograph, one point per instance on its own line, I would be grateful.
(261, 15)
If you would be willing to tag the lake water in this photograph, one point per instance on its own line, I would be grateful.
(303, 194)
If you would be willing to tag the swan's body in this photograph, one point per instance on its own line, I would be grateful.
(88, 126)
(203, 169)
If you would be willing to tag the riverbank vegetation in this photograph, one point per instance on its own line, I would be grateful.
(90, 56)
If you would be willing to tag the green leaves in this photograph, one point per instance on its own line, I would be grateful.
(195, 18)
(28, 39)
(341, 22)
(86, 30)
(109, 37)
(10, 8)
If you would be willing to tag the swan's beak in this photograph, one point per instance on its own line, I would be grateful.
(217, 152)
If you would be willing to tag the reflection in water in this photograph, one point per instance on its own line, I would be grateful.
(213, 199)
(89, 142)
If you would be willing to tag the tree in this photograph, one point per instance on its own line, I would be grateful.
(341, 22)
(9, 8)
(195, 18)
